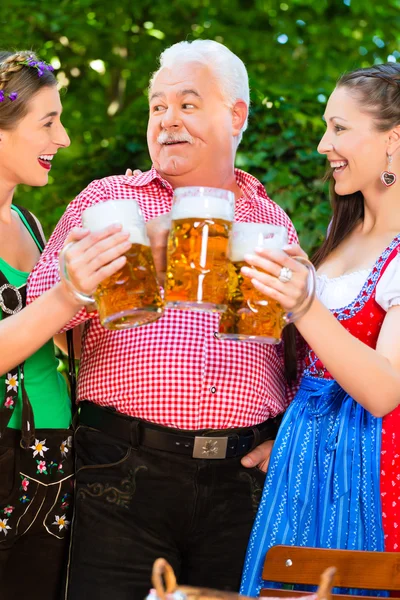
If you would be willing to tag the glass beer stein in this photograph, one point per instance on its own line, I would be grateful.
(197, 261)
(250, 315)
(130, 297)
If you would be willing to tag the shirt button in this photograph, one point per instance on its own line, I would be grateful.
(213, 389)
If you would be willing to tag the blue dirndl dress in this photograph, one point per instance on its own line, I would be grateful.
(323, 483)
(322, 487)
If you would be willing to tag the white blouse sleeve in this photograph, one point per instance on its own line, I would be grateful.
(388, 288)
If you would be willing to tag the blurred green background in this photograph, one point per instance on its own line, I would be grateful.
(104, 52)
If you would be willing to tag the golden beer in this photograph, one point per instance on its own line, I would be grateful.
(197, 275)
(250, 315)
(130, 297)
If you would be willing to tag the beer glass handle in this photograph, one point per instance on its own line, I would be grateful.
(312, 284)
(86, 299)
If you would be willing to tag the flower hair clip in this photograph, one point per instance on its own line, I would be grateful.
(40, 65)
(11, 96)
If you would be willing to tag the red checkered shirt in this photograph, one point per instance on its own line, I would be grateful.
(174, 371)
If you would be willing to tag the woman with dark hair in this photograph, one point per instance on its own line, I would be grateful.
(323, 483)
(35, 411)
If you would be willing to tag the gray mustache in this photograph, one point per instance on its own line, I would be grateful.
(165, 137)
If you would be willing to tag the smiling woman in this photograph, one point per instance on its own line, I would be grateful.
(332, 480)
(30, 121)
(35, 411)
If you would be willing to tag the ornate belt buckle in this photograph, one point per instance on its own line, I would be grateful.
(210, 447)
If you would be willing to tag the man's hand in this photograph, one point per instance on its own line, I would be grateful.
(130, 173)
(157, 231)
(259, 457)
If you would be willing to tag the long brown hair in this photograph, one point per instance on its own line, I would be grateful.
(377, 90)
(22, 79)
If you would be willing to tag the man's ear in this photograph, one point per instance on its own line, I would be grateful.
(239, 115)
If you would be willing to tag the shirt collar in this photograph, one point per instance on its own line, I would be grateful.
(146, 178)
(249, 185)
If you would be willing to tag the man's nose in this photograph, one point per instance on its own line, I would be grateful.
(170, 118)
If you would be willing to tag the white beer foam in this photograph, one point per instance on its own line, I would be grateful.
(202, 207)
(125, 212)
(246, 237)
(137, 235)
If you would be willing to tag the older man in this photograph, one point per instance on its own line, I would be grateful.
(147, 393)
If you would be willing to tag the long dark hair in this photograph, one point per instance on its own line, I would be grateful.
(377, 90)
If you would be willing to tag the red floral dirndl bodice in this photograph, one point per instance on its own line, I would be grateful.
(363, 318)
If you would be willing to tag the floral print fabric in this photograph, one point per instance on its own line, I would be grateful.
(36, 484)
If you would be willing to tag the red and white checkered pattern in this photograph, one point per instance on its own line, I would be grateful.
(174, 371)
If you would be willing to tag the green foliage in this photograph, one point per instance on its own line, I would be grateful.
(294, 50)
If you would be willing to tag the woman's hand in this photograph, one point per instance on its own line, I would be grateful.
(267, 265)
(92, 257)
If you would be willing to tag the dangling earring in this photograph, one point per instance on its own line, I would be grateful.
(387, 177)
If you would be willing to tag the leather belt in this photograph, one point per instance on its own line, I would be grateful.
(203, 443)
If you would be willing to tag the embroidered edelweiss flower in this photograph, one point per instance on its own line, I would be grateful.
(210, 448)
(3, 526)
(24, 484)
(64, 448)
(12, 382)
(39, 448)
(8, 510)
(9, 403)
(41, 466)
(61, 522)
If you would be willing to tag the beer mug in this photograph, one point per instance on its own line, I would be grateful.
(197, 261)
(130, 297)
(251, 316)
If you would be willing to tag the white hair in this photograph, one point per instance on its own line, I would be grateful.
(229, 70)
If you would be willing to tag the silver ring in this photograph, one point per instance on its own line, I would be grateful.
(285, 275)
